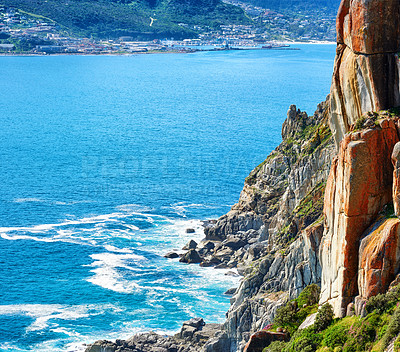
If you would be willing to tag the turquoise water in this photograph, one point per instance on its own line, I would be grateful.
(106, 161)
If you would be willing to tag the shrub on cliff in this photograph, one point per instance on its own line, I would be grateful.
(309, 296)
(296, 311)
(393, 328)
(324, 317)
(336, 335)
(275, 346)
(306, 340)
(383, 302)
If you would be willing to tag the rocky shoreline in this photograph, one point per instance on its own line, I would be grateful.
(273, 215)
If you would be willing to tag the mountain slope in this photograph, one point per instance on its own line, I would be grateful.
(111, 19)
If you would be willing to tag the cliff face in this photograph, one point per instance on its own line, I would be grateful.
(366, 73)
(283, 200)
(321, 209)
(359, 185)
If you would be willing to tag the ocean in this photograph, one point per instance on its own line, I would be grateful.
(105, 161)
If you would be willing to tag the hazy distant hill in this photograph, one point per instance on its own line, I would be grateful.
(113, 18)
(331, 5)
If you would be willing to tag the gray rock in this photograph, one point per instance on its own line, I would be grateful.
(191, 257)
(171, 255)
(190, 245)
(190, 230)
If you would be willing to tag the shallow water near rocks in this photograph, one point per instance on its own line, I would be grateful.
(106, 161)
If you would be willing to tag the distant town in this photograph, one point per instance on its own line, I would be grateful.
(22, 32)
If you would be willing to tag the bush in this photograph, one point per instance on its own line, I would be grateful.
(309, 296)
(275, 346)
(335, 336)
(360, 335)
(306, 340)
(383, 302)
(286, 316)
(393, 328)
(324, 317)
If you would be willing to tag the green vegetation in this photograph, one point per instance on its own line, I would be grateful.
(115, 18)
(351, 334)
(291, 315)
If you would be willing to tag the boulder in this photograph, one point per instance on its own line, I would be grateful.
(234, 243)
(191, 257)
(262, 339)
(358, 186)
(190, 230)
(190, 245)
(310, 320)
(379, 260)
(171, 255)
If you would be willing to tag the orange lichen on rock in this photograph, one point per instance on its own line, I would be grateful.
(379, 258)
(359, 185)
(366, 72)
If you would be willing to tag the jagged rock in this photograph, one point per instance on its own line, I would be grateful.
(359, 185)
(275, 188)
(171, 255)
(262, 339)
(191, 257)
(101, 346)
(276, 279)
(234, 243)
(366, 72)
(231, 291)
(396, 178)
(379, 258)
(190, 245)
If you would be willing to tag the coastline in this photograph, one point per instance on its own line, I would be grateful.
(185, 51)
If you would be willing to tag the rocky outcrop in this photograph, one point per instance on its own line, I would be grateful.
(263, 338)
(276, 187)
(379, 258)
(191, 338)
(359, 185)
(269, 283)
(366, 72)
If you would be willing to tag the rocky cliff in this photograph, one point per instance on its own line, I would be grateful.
(366, 73)
(321, 208)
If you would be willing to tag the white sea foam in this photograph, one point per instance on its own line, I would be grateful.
(107, 275)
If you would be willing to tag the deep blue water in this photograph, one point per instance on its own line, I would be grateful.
(105, 161)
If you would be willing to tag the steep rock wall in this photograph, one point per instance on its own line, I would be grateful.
(359, 185)
(284, 198)
(366, 72)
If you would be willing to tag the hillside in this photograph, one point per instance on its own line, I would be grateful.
(112, 19)
(297, 5)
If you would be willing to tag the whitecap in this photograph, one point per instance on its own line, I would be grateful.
(107, 275)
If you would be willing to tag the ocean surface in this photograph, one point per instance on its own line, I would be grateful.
(105, 161)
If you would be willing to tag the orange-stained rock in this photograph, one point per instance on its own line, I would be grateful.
(358, 186)
(379, 258)
(366, 72)
(369, 27)
(396, 178)
(262, 339)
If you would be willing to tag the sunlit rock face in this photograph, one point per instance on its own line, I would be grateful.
(366, 71)
(358, 187)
